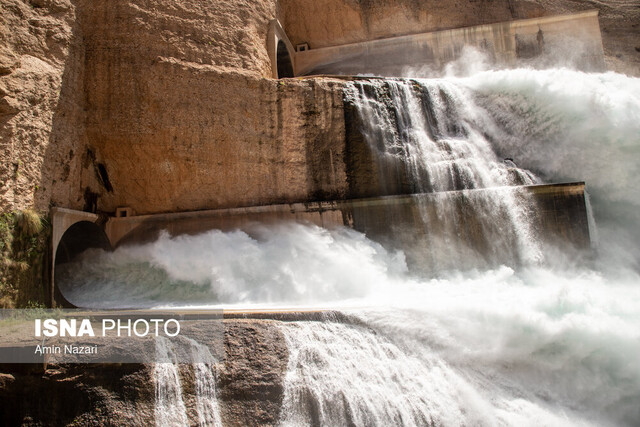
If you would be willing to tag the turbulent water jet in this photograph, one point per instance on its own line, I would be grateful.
(504, 341)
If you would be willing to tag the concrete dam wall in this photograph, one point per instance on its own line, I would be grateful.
(569, 40)
(420, 225)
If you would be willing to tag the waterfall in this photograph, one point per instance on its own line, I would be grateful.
(205, 384)
(555, 351)
(343, 375)
(170, 409)
(350, 375)
(431, 126)
(431, 131)
(552, 345)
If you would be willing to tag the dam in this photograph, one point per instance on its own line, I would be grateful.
(561, 220)
(417, 177)
(390, 213)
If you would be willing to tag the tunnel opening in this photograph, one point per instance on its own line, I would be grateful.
(285, 66)
(78, 238)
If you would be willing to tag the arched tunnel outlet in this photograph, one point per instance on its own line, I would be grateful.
(285, 65)
(76, 240)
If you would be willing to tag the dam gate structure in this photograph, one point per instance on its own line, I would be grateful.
(351, 175)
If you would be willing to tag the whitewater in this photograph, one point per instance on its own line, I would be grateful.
(552, 339)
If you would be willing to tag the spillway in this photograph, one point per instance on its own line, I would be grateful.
(471, 290)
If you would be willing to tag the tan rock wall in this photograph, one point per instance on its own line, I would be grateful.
(223, 33)
(203, 139)
(179, 116)
(68, 63)
(169, 98)
(38, 129)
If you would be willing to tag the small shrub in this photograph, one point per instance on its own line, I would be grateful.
(29, 222)
(24, 238)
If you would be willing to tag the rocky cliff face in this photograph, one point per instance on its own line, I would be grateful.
(249, 386)
(181, 92)
(159, 106)
(225, 34)
(209, 139)
(165, 105)
(36, 38)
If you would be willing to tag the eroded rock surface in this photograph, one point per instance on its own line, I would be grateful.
(251, 380)
(36, 38)
(166, 105)
(249, 386)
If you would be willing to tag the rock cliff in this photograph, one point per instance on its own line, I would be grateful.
(166, 105)
(249, 386)
(36, 38)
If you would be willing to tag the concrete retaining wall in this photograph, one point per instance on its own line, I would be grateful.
(561, 210)
(573, 40)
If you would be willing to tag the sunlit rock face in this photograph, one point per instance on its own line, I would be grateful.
(92, 90)
(247, 387)
(181, 91)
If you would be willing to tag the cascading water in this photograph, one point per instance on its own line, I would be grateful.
(205, 384)
(430, 128)
(170, 408)
(438, 135)
(537, 347)
(350, 375)
(552, 343)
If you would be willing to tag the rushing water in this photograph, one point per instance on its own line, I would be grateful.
(547, 341)
(430, 128)
(170, 409)
(205, 385)
(538, 348)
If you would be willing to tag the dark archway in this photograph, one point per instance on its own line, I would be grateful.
(78, 238)
(285, 66)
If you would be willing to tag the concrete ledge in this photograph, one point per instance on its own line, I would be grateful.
(324, 213)
(61, 220)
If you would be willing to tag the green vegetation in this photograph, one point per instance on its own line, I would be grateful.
(24, 238)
